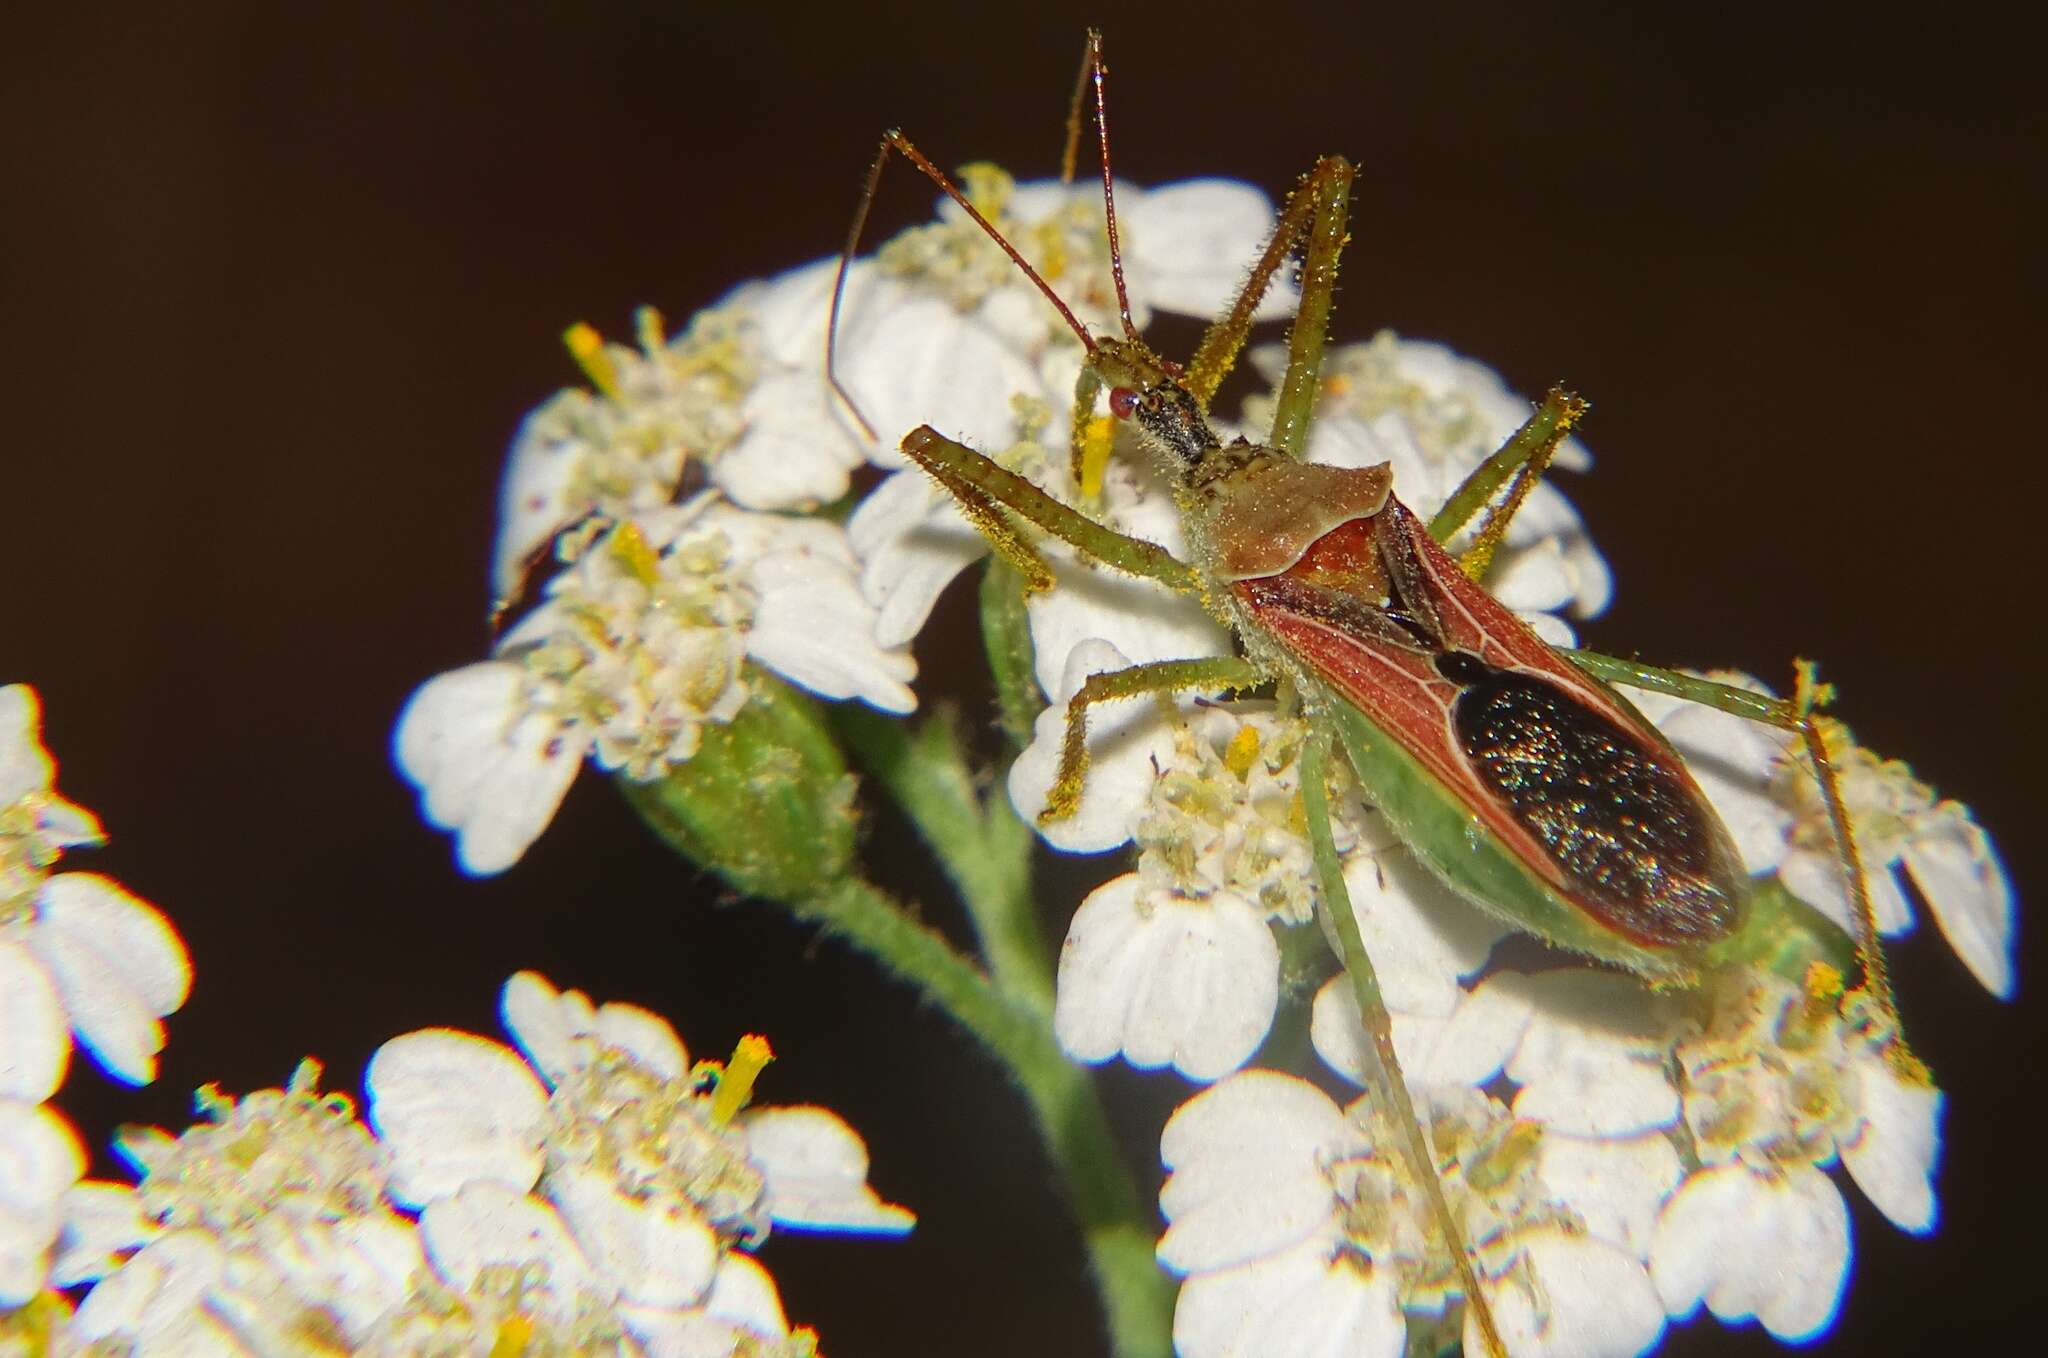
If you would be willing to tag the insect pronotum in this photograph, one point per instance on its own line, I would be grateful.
(1514, 770)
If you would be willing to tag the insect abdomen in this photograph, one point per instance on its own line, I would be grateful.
(1634, 838)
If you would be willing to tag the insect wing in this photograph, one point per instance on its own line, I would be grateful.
(1527, 785)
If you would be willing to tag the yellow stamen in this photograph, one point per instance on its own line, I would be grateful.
(515, 1332)
(630, 550)
(1096, 441)
(586, 346)
(1242, 751)
(736, 1085)
(647, 323)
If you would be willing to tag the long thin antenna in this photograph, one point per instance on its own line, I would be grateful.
(893, 139)
(1091, 54)
(1116, 254)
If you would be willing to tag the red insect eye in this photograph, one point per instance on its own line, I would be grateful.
(1122, 402)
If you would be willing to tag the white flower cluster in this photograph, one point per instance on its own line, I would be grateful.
(1619, 1156)
(80, 957)
(599, 1196)
(687, 482)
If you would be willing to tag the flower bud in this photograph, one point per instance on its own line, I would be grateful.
(766, 801)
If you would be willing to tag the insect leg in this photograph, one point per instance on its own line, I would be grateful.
(1384, 1081)
(981, 486)
(1797, 715)
(1165, 676)
(1314, 213)
(1521, 459)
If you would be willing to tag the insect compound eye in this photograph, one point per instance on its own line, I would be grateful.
(1123, 402)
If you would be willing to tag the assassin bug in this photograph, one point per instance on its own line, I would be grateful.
(1515, 771)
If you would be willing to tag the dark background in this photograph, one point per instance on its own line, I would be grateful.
(277, 286)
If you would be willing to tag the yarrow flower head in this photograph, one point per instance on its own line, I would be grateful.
(653, 1166)
(268, 1218)
(613, 1216)
(79, 954)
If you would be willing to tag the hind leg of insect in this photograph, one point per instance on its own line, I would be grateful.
(1384, 1078)
(1518, 464)
(1799, 715)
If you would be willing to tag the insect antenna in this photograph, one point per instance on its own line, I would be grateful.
(1093, 61)
(894, 140)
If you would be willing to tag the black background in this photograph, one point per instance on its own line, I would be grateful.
(277, 286)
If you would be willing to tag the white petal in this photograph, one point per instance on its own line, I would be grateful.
(1301, 1304)
(744, 1293)
(1248, 1179)
(35, 1036)
(560, 1030)
(1553, 630)
(920, 361)
(533, 498)
(817, 1170)
(136, 940)
(455, 1108)
(1532, 579)
(796, 452)
(1616, 1185)
(654, 1250)
(1142, 620)
(1475, 1045)
(157, 1299)
(1466, 1048)
(812, 626)
(25, 766)
(1193, 243)
(363, 1266)
(1965, 885)
(912, 541)
(1777, 1249)
(548, 1025)
(40, 1160)
(488, 1223)
(1894, 1149)
(486, 768)
(1592, 1060)
(1590, 1300)
(1420, 936)
(1732, 760)
(645, 1036)
(113, 1020)
(1189, 982)
(102, 1223)
(1128, 741)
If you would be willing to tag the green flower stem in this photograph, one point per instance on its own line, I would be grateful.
(1006, 636)
(1136, 1296)
(985, 851)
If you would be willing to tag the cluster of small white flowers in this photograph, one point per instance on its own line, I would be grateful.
(1675, 1142)
(598, 1201)
(688, 479)
(80, 957)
